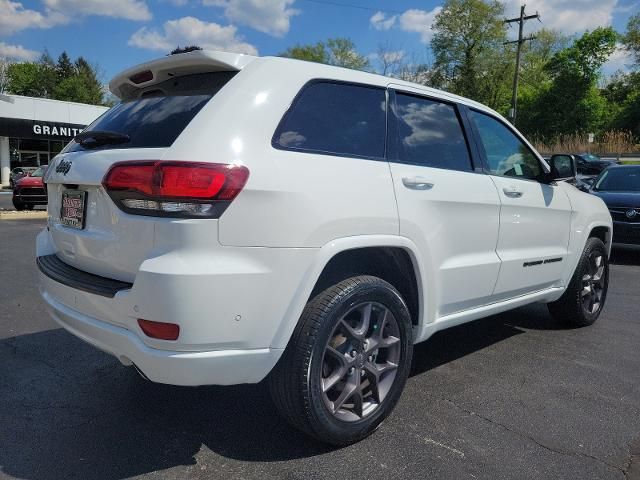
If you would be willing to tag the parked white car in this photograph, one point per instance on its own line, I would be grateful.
(236, 218)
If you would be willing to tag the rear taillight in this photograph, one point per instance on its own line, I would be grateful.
(174, 189)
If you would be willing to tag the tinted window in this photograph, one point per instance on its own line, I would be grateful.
(157, 115)
(336, 118)
(506, 154)
(430, 134)
(620, 180)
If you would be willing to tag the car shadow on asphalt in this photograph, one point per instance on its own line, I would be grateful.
(69, 411)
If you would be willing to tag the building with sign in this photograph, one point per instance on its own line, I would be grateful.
(34, 130)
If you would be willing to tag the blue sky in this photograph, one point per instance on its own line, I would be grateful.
(117, 34)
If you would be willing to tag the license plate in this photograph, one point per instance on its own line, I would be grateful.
(72, 211)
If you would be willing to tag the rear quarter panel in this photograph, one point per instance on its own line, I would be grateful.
(291, 199)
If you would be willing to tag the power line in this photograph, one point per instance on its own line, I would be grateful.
(351, 5)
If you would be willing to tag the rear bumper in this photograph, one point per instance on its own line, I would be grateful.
(231, 304)
(219, 367)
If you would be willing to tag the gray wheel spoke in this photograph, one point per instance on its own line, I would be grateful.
(586, 291)
(389, 341)
(597, 277)
(358, 403)
(349, 389)
(329, 382)
(341, 358)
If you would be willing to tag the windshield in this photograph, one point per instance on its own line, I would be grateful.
(619, 180)
(39, 172)
(590, 157)
(155, 116)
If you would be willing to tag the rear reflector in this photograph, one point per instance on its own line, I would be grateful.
(176, 189)
(159, 330)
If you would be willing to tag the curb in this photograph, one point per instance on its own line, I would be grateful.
(11, 215)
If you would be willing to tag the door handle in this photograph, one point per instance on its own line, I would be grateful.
(512, 192)
(417, 183)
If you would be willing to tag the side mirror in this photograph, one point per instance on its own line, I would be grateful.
(563, 167)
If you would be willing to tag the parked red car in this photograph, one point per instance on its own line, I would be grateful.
(30, 191)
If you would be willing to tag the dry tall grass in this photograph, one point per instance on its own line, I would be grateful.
(611, 142)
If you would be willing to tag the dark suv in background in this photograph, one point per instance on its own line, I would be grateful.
(590, 164)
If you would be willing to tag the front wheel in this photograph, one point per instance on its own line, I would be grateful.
(347, 361)
(583, 301)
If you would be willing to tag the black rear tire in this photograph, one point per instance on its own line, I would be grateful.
(299, 383)
(584, 299)
(19, 205)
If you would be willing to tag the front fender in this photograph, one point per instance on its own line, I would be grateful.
(589, 212)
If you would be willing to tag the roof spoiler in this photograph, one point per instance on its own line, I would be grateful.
(150, 73)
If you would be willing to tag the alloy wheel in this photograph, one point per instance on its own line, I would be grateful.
(593, 283)
(360, 361)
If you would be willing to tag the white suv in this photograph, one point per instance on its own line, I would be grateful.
(238, 218)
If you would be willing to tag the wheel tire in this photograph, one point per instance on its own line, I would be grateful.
(19, 205)
(297, 381)
(589, 281)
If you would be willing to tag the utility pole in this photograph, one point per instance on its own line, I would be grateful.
(520, 20)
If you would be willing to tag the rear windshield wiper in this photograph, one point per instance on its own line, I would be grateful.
(97, 138)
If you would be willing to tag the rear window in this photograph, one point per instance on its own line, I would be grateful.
(157, 115)
(336, 118)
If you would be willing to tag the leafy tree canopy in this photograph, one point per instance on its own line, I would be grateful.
(340, 52)
(62, 80)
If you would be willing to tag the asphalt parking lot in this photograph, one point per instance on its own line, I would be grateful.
(513, 396)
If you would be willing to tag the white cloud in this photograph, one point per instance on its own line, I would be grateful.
(192, 31)
(567, 16)
(17, 52)
(269, 16)
(419, 21)
(14, 18)
(379, 21)
(620, 59)
(127, 9)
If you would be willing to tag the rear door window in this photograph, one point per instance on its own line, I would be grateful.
(157, 115)
(336, 118)
(430, 134)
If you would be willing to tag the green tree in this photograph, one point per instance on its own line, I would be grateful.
(631, 39)
(64, 68)
(65, 80)
(27, 79)
(571, 101)
(468, 48)
(81, 86)
(311, 53)
(340, 52)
